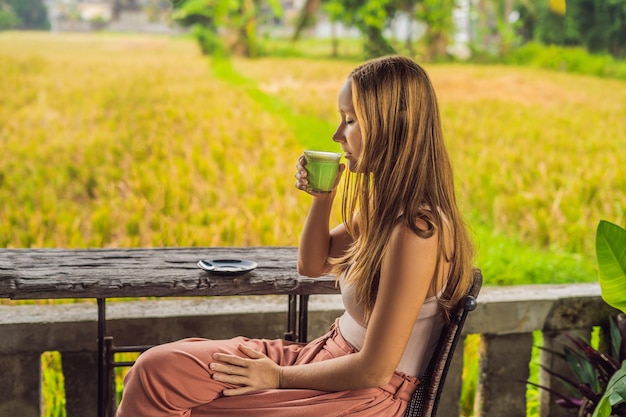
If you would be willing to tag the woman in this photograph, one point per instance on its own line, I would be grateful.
(403, 258)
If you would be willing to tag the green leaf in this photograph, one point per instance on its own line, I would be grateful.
(611, 257)
(616, 338)
(276, 7)
(582, 368)
(614, 394)
(616, 388)
(603, 409)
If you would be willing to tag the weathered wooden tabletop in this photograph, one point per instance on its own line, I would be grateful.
(158, 272)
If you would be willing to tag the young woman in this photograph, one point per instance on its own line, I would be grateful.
(402, 256)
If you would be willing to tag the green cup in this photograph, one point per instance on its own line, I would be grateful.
(322, 168)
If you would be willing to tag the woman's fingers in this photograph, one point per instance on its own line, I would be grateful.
(237, 391)
(231, 359)
(301, 174)
(228, 369)
(251, 353)
(256, 372)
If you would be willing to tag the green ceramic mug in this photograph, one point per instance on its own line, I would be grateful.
(322, 168)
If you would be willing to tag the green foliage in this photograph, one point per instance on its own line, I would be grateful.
(601, 377)
(214, 21)
(601, 24)
(53, 398)
(208, 40)
(31, 14)
(598, 25)
(556, 28)
(614, 395)
(437, 14)
(372, 17)
(611, 256)
(567, 59)
(8, 18)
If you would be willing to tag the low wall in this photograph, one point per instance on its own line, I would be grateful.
(505, 318)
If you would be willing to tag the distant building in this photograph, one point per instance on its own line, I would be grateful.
(150, 16)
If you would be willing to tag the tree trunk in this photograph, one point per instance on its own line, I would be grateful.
(375, 44)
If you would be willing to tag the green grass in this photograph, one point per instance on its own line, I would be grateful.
(139, 141)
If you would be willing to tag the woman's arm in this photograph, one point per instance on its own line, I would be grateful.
(407, 269)
(317, 242)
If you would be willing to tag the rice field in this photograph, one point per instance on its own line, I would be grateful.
(139, 141)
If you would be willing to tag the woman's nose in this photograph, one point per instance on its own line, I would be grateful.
(338, 135)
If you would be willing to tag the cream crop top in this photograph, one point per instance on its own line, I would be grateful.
(422, 342)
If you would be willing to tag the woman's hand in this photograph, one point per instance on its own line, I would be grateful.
(254, 373)
(302, 183)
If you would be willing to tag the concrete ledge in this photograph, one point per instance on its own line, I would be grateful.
(72, 327)
(525, 308)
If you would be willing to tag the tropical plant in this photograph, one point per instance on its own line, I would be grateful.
(600, 388)
(225, 25)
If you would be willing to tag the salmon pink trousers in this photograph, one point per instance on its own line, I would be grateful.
(174, 379)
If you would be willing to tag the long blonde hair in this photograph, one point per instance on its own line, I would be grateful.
(403, 173)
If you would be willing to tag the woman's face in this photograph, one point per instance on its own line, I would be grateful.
(348, 133)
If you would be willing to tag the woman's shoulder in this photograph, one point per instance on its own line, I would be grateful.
(404, 239)
(423, 232)
(421, 223)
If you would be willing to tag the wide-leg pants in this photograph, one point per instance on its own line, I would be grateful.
(174, 379)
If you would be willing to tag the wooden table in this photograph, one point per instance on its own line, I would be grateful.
(161, 272)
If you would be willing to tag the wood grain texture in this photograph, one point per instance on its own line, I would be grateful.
(150, 272)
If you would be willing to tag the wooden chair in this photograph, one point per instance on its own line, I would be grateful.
(425, 399)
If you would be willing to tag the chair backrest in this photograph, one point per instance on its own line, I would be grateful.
(425, 400)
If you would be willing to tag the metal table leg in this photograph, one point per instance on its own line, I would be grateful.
(292, 310)
(102, 372)
(107, 401)
(297, 318)
(303, 318)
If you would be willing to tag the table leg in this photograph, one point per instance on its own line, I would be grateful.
(101, 373)
(303, 318)
(291, 332)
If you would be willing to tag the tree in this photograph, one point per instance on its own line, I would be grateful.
(224, 25)
(31, 14)
(437, 14)
(601, 24)
(8, 18)
(372, 17)
(552, 25)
